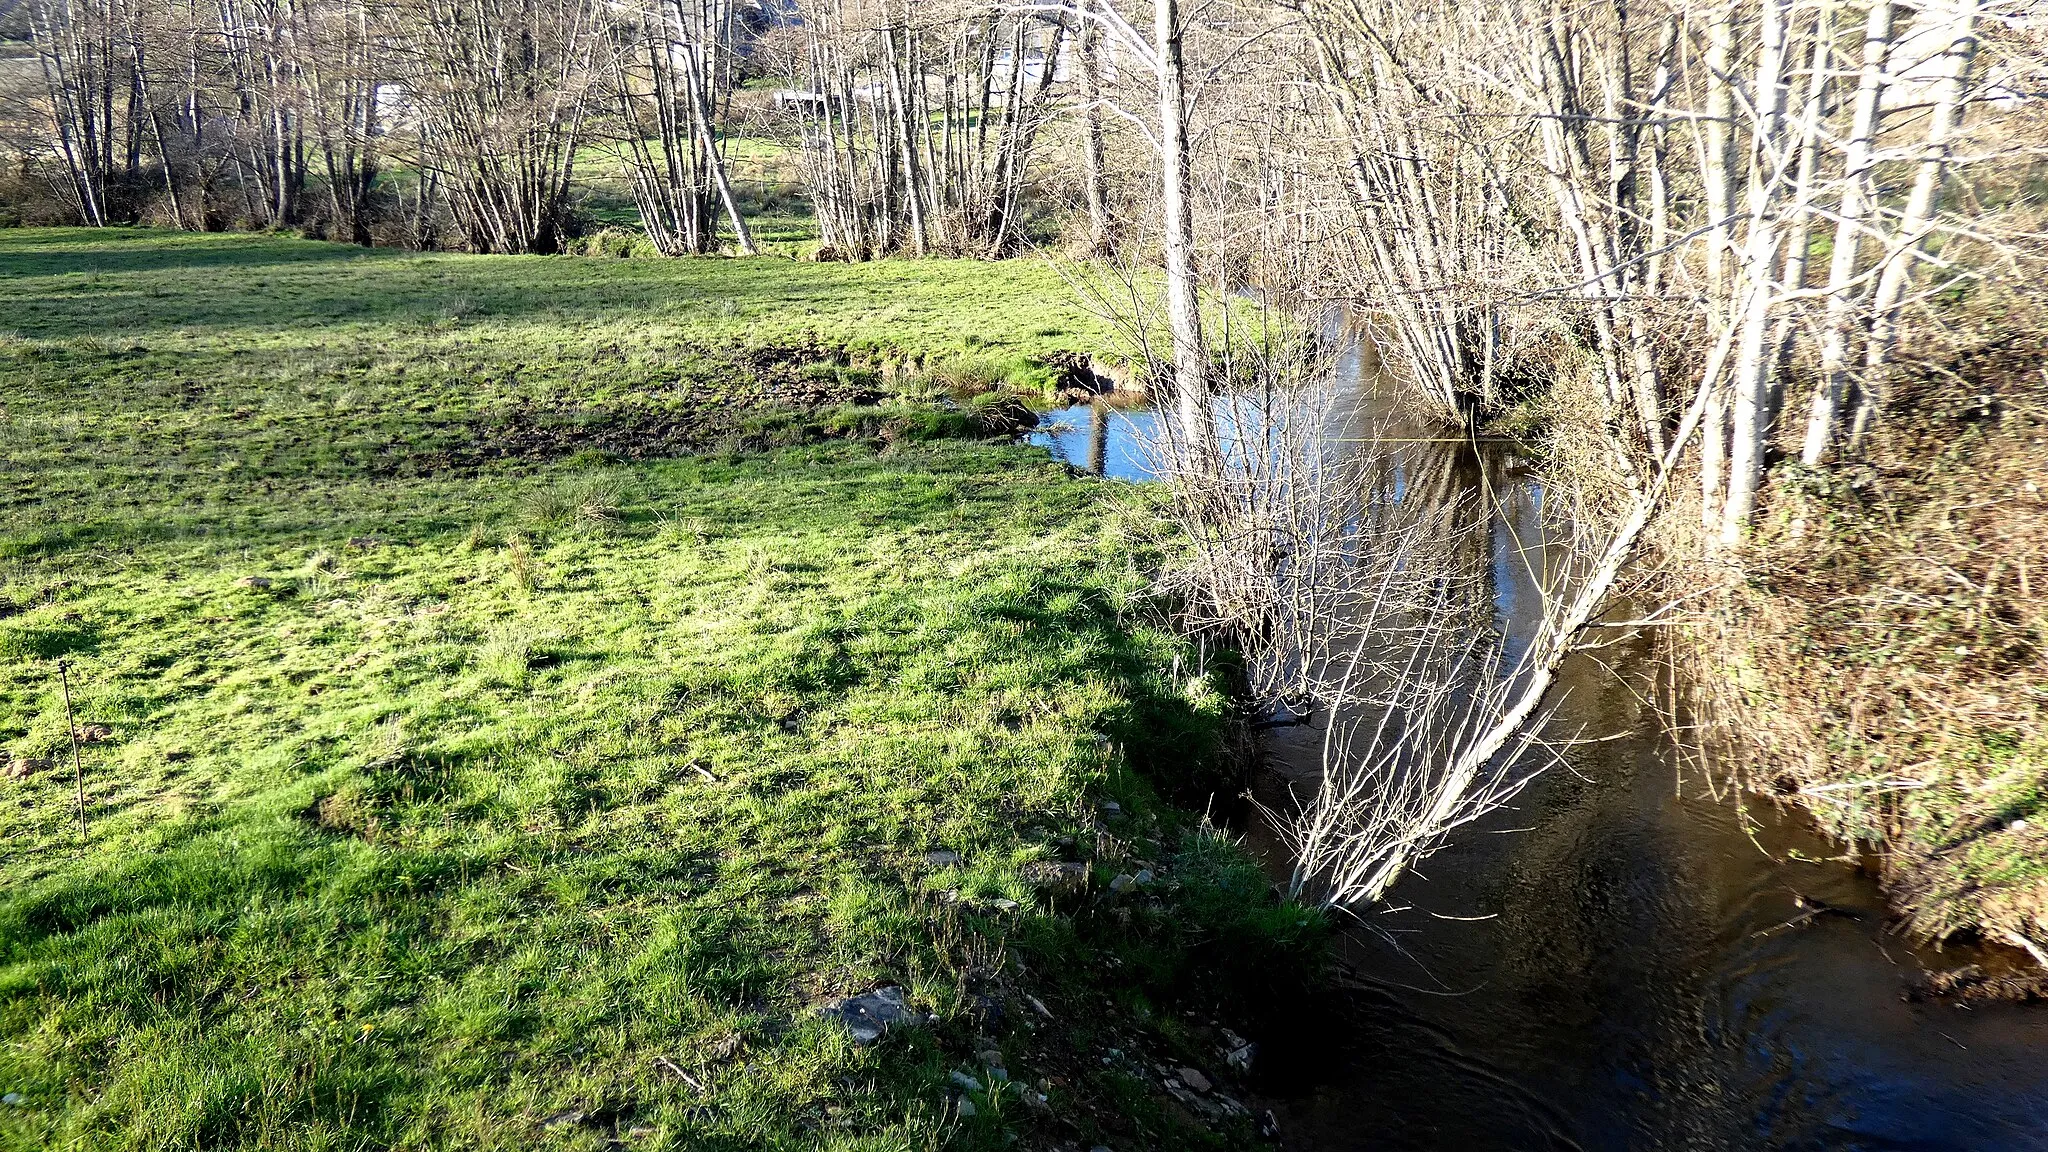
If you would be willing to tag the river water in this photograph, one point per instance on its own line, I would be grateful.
(1619, 961)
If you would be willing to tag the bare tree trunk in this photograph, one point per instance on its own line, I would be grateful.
(1750, 433)
(1183, 303)
(699, 80)
(1917, 221)
(1094, 179)
(1856, 201)
(1719, 143)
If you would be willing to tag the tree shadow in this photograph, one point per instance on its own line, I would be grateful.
(38, 252)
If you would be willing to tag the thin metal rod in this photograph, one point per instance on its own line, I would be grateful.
(77, 758)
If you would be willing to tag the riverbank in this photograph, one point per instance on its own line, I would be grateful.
(1885, 661)
(447, 786)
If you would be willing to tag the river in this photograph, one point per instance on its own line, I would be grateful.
(1620, 961)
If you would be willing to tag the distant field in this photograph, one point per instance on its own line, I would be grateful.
(270, 356)
(262, 293)
(448, 798)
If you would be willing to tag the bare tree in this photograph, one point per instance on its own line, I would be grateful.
(921, 120)
(504, 88)
(87, 71)
(668, 60)
(341, 62)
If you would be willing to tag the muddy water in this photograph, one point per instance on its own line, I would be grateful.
(1620, 961)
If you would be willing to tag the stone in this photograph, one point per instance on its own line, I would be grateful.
(985, 1010)
(13, 1100)
(942, 859)
(1193, 1079)
(964, 1082)
(1005, 905)
(870, 1015)
(258, 582)
(964, 1107)
(1190, 1101)
(1056, 875)
(1037, 1006)
(1111, 810)
(567, 1116)
(989, 1057)
(1269, 1126)
(1240, 1057)
(1123, 882)
(1143, 877)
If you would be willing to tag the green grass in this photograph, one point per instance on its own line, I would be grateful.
(230, 358)
(267, 294)
(535, 801)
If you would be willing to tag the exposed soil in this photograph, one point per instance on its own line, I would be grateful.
(1973, 983)
(770, 398)
(761, 404)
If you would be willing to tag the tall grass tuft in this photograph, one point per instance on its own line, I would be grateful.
(594, 499)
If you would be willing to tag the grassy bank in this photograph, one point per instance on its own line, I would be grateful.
(535, 795)
(1887, 658)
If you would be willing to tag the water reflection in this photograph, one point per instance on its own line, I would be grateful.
(1098, 438)
(1607, 966)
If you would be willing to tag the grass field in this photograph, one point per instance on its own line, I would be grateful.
(534, 795)
(269, 293)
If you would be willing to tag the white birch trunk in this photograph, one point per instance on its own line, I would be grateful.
(1855, 203)
(1952, 74)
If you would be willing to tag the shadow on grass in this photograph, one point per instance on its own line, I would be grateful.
(332, 959)
(266, 288)
(118, 250)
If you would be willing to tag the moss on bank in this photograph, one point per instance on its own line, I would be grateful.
(1887, 660)
(536, 798)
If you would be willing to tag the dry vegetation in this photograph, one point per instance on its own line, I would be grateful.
(1886, 661)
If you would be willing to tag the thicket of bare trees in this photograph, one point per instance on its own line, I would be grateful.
(920, 121)
(917, 127)
(670, 74)
(1727, 197)
(448, 122)
(1633, 198)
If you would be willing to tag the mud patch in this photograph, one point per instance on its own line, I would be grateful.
(751, 400)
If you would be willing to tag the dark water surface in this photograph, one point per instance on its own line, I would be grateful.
(1610, 965)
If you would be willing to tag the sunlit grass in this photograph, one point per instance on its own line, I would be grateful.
(443, 800)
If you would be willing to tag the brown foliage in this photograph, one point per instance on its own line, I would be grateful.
(1890, 647)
